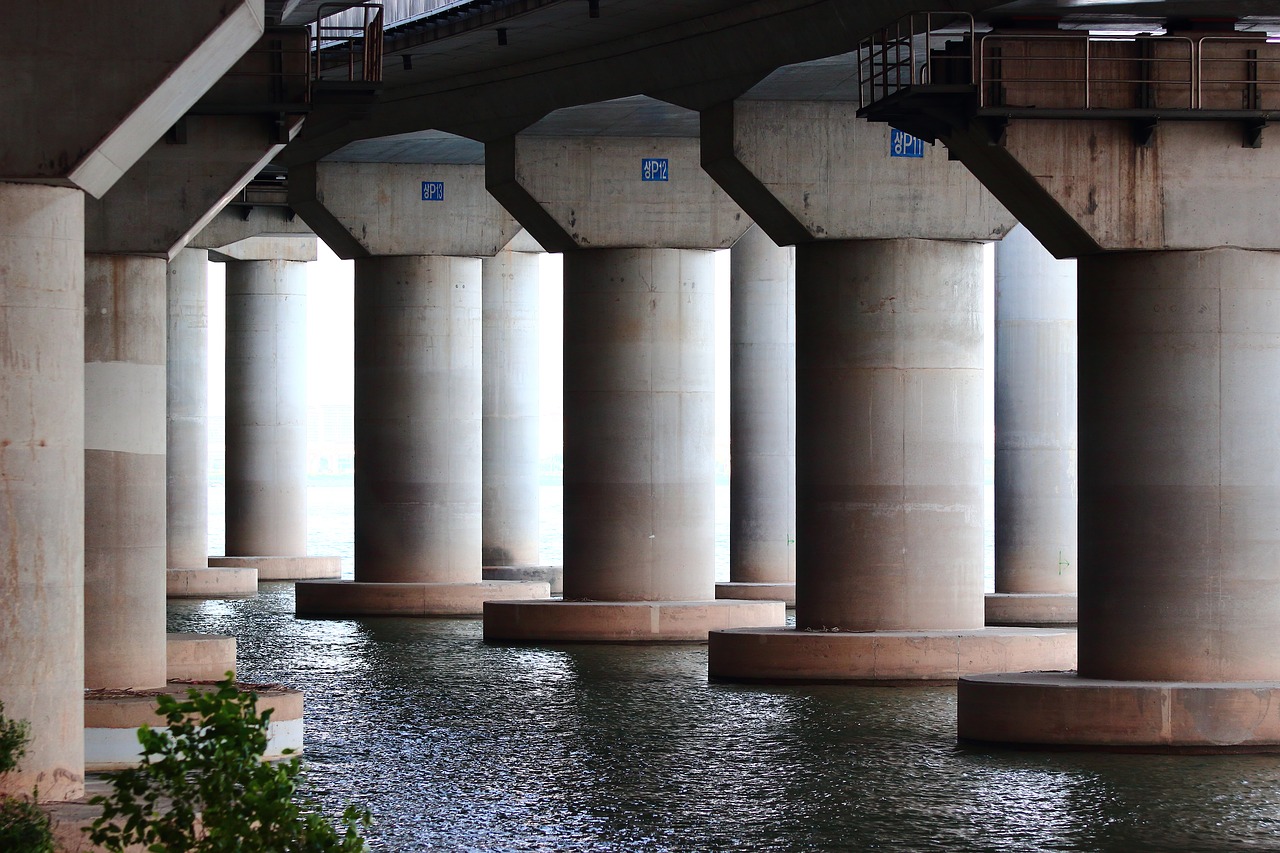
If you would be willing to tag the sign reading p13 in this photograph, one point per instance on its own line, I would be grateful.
(433, 190)
(654, 169)
(903, 144)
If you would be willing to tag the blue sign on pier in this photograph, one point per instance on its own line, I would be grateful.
(902, 144)
(433, 190)
(654, 169)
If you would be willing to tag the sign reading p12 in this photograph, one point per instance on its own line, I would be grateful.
(654, 169)
(433, 190)
(902, 144)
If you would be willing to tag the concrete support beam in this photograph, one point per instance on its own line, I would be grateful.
(762, 420)
(638, 217)
(1035, 441)
(110, 106)
(888, 399)
(187, 448)
(418, 382)
(1178, 272)
(42, 472)
(510, 479)
(124, 376)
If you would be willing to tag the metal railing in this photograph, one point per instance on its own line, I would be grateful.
(353, 49)
(1067, 71)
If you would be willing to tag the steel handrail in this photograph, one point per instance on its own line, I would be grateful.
(345, 37)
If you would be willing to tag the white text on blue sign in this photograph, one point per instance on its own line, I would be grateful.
(433, 190)
(902, 144)
(654, 169)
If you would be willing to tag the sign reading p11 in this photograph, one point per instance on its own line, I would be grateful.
(654, 169)
(433, 190)
(902, 144)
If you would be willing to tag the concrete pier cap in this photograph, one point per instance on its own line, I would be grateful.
(418, 232)
(636, 217)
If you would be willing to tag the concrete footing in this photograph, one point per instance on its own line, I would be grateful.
(112, 719)
(355, 598)
(550, 575)
(1031, 609)
(211, 583)
(786, 654)
(284, 568)
(622, 621)
(784, 592)
(200, 657)
(1061, 709)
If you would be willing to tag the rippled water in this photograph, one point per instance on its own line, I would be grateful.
(458, 746)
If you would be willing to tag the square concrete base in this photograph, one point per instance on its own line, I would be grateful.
(784, 592)
(622, 621)
(112, 719)
(284, 568)
(200, 657)
(355, 598)
(786, 654)
(1062, 710)
(1031, 609)
(211, 583)
(553, 576)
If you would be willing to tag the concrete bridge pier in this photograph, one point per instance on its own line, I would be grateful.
(762, 420)
(418, 383)
(636, 219)
(1179, 330)
(888, 401)
(1035, 441)
(510, 481)
(266, 418)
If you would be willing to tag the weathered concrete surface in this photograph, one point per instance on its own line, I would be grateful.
(236, 223)
(212, 582)
(639, 475)
(762, 412)
(1084, 186)
(42, 482)
(510, 414)
(889, 450)
(277, 568)
(757, 591)
(552, 576)
(788, 654)
(812, 170)
(589, 192)
(1035, 417)
(622, 621)
(174, 190)
(1041, 609)
(1179, 478)
(187, 444)
(111, 105)
(266, 414)
(378, 209)
(1061, 709)
(361, 598)
(200, 657)
(417, 427)
(124, 441)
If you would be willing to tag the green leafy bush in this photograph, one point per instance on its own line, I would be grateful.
(202, 787)
(23, 825)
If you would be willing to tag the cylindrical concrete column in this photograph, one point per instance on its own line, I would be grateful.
(124, 563)
(1035, 418)
(510, 409)
(762, 411)
(266, 375)
(1179, 474)
(889, 435)
(639, 471)
(187, 461)
(417, 420)
(42, 472)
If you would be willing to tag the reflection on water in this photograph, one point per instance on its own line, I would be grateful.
(457, 746)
